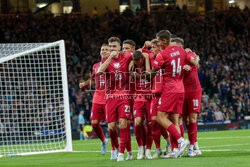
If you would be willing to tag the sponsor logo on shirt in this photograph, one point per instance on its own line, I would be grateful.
(134, 112)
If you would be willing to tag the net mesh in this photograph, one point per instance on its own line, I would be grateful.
(32, 105)
(11, 49)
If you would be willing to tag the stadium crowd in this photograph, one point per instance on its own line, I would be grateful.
(219, 38)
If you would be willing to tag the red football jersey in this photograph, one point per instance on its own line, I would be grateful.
(172, 60)
(191, 79)
(157, 82)
(142, 86)
(99, 96)
(117, 75)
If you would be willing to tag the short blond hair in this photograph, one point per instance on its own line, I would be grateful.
(154, 41)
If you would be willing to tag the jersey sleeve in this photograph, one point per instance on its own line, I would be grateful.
(146, 51)
(158, 62)
(128, 56)
(190, 56)
(93, 73)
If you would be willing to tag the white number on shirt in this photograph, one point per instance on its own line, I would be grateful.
(127, 108)
(196, 102)
(159, 102)
(118, 76)
(178, 69)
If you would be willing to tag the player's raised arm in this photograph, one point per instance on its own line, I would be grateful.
(147, 63)
(146, 45)
(104, 66)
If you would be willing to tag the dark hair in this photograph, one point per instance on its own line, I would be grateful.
(164, 34)
(178, 40)
(104, 44)
(114, 39)
(173, 36)
(137, 55)
(130, 42)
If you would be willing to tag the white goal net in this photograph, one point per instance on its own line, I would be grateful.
(34, 109)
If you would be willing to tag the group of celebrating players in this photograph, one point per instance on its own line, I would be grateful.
(156, 86)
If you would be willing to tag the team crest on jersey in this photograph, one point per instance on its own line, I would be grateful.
(117, 65)
(156, 62)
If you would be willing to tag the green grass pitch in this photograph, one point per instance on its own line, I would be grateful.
(219, 149)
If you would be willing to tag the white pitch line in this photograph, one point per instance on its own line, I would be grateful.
(231, 150)
(222, 150)
(228, 145)
(208, 138)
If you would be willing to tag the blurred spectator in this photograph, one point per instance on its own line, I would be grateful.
(219, 38)
(225, 112)
(95, 12)
(81, 122)
(79, 101)
(218, 115)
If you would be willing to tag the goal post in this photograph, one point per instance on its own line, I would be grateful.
(34, 104)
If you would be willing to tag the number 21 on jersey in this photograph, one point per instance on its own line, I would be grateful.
(176, 70)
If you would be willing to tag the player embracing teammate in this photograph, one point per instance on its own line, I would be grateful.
(163, 66)
(171, 60)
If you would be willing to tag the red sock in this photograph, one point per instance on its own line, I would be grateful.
(144, 134)
(156, 134)
(128, 146)
(174, 143)
(149, 136)
(138, 135)
(192, 133)
(174, 132)
(164, 133)
(114, 139)
(98, 130)
(182, 130)
(123, 139)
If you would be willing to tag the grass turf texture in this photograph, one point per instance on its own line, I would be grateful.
(220, 149)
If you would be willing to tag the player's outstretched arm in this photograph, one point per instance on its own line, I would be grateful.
(105, 65)
(131, 65)
(87, 83)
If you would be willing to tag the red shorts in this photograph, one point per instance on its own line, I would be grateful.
(192, 102)
(154, 106)
(142, 109)
(132, 106)
(116, 109)
(171, 102)
(98, 112)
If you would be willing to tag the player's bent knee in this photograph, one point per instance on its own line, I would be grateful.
(193, 117)
(95, 122)
(111, 127)
(123, 123)
(138, 121)
(158, 119)
(153, 118)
